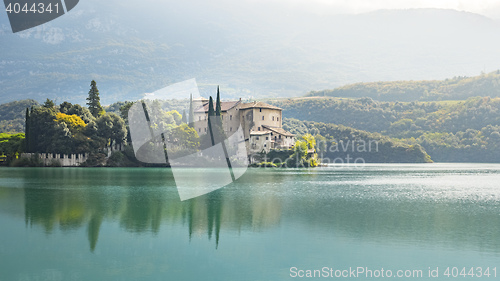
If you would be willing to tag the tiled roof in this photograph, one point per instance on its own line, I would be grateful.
(280, 131)
(225, 106)
(259, 133)
(258, 104)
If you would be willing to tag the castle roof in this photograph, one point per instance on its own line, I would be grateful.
(258, 104)
(277, 130)
(225, 106)
(259, 133)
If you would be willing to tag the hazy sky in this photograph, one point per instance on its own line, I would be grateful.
(489, 8)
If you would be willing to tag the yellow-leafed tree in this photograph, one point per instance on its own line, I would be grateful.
(74, 122)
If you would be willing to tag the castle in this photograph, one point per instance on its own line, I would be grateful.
(261, 124)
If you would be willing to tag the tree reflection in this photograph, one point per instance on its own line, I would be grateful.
(146, 210)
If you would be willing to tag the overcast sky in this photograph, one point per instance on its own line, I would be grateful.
(490, 8)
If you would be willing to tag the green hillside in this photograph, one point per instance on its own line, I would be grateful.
(457, 88)
(449, 131)
(12, 115)
(340, 144)
(400, 119)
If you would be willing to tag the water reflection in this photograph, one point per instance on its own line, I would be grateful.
(330, 203)
(140, 202)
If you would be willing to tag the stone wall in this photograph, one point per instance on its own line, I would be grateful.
(66, 160)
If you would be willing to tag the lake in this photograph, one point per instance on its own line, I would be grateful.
(271, 224)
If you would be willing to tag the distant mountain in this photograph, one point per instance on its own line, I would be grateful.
(456, 88)
(252, 49)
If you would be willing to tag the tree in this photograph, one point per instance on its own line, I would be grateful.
(81, 112)
(183, 120)
(65, 106)
(310, 141)
(49, 104)
(185, 137)
(41, 128)
(211, 111)
(176, 116)
(111, 128)
(94, 103)
(27, 131)
(218, 108)
(11, 144)
(191, 111)
(124, 111)
(75, 124)
(298, 158)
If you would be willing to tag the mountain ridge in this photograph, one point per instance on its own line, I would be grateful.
(260, 54)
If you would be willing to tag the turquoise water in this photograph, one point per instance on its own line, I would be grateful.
(129, 224)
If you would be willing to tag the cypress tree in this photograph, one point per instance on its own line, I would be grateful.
(211, 111)
(218, 109)
(211, 114)
(32, 133)
(27, 131)
(218, 130)
(94, 103)
(191, 111)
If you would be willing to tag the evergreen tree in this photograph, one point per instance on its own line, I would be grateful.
(211, 111)
(64, 107)
(218, 108)
(94, 103)
(191, 111)
(31, 139)
(49, 104)
(218, 130)
(27, 131)
(211, 114)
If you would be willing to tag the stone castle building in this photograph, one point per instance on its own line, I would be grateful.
(261, 124)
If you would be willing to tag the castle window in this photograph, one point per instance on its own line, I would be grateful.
(260, 109)
(262, 117)
(61, 156)
(258, 128)
(280, 136)
(273, 118)
(199, 130)
(205, 130)
(199, 118)
(257, 138)
(277, 119)
(230, 129)
(267, 138)
(230, 117)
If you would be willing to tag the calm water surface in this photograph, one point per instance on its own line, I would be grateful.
(129, 224)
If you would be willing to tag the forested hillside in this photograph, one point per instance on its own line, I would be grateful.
(396, 118)
(12, 115)
(449, 131)
(456, 88)
(340, 144)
